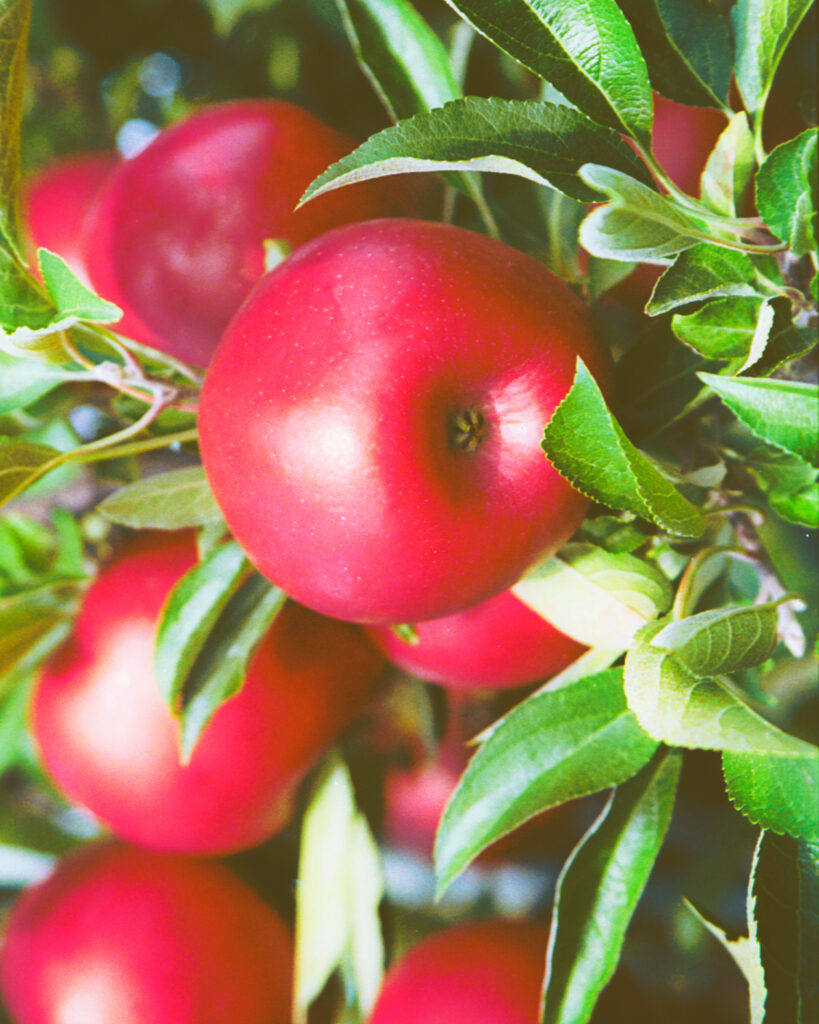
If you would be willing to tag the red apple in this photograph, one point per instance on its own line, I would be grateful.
(683, 138)
(415, 798)
(109, 741)
(497, 644)
(371, 422)
(176, 239)
(57, 201)
(489, 972)
(124, 936)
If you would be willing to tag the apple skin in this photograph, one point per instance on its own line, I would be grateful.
(488, 972)
(371, 422)
(131, 936)
(683, 138)
(57, 201)
(497, 644)
(109, 741)
(176, 238)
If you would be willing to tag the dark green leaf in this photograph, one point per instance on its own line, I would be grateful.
(782, 412)
(762, 31)
(789, 482)
(588, 446)
(544, 142)
(28, 617)
(20, 462)
(722, 329)
(190, 613)
(679, 708)
(400, 54)
(779, 791)
(723, 639)
(704, 272)
(606, 274)
(783, 346)
(687, 48)
(14, 23)
(406, 64)
(174, 500)
(599, 888)
(639, 224)
(786, 192)
(220, 668)
(656, 380)
(730, 166)
(588, 51)
(785, 893)
(557, 745)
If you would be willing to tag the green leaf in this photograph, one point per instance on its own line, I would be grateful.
(782, 412)
(638, 224)
(26, 618)
(599, 888)
(191, 612)
(544, 142)
(72, 298)
(588, 51)
(14, 24)
(587, 446)
(220, 668)
(676, 707)
(783, 346)
(762, 31)
(744, 951)
(405, 61)
(407, 65)
(174, 500)
(786, 189)
(722, 329)
(594, 596)
(730, 166)
(723, 639)
(23, 381)
(687, 48)
(703, 272)
(788, 481)
(555, 746)
(785, 887)
(340, 885)
(605, 275)
(20, 462)
(776, 791)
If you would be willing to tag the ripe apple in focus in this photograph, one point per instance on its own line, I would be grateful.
(371, 423)
(176, 239)
(489, 972)
(109, 741)
(57, 201)
(124, 936)
(497, 644)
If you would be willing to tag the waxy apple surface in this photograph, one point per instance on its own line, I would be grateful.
(177, 237)
(110, 742)
(371, 423)
(489, 972)
(497, 644)
(57, 202)
(124, 936)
